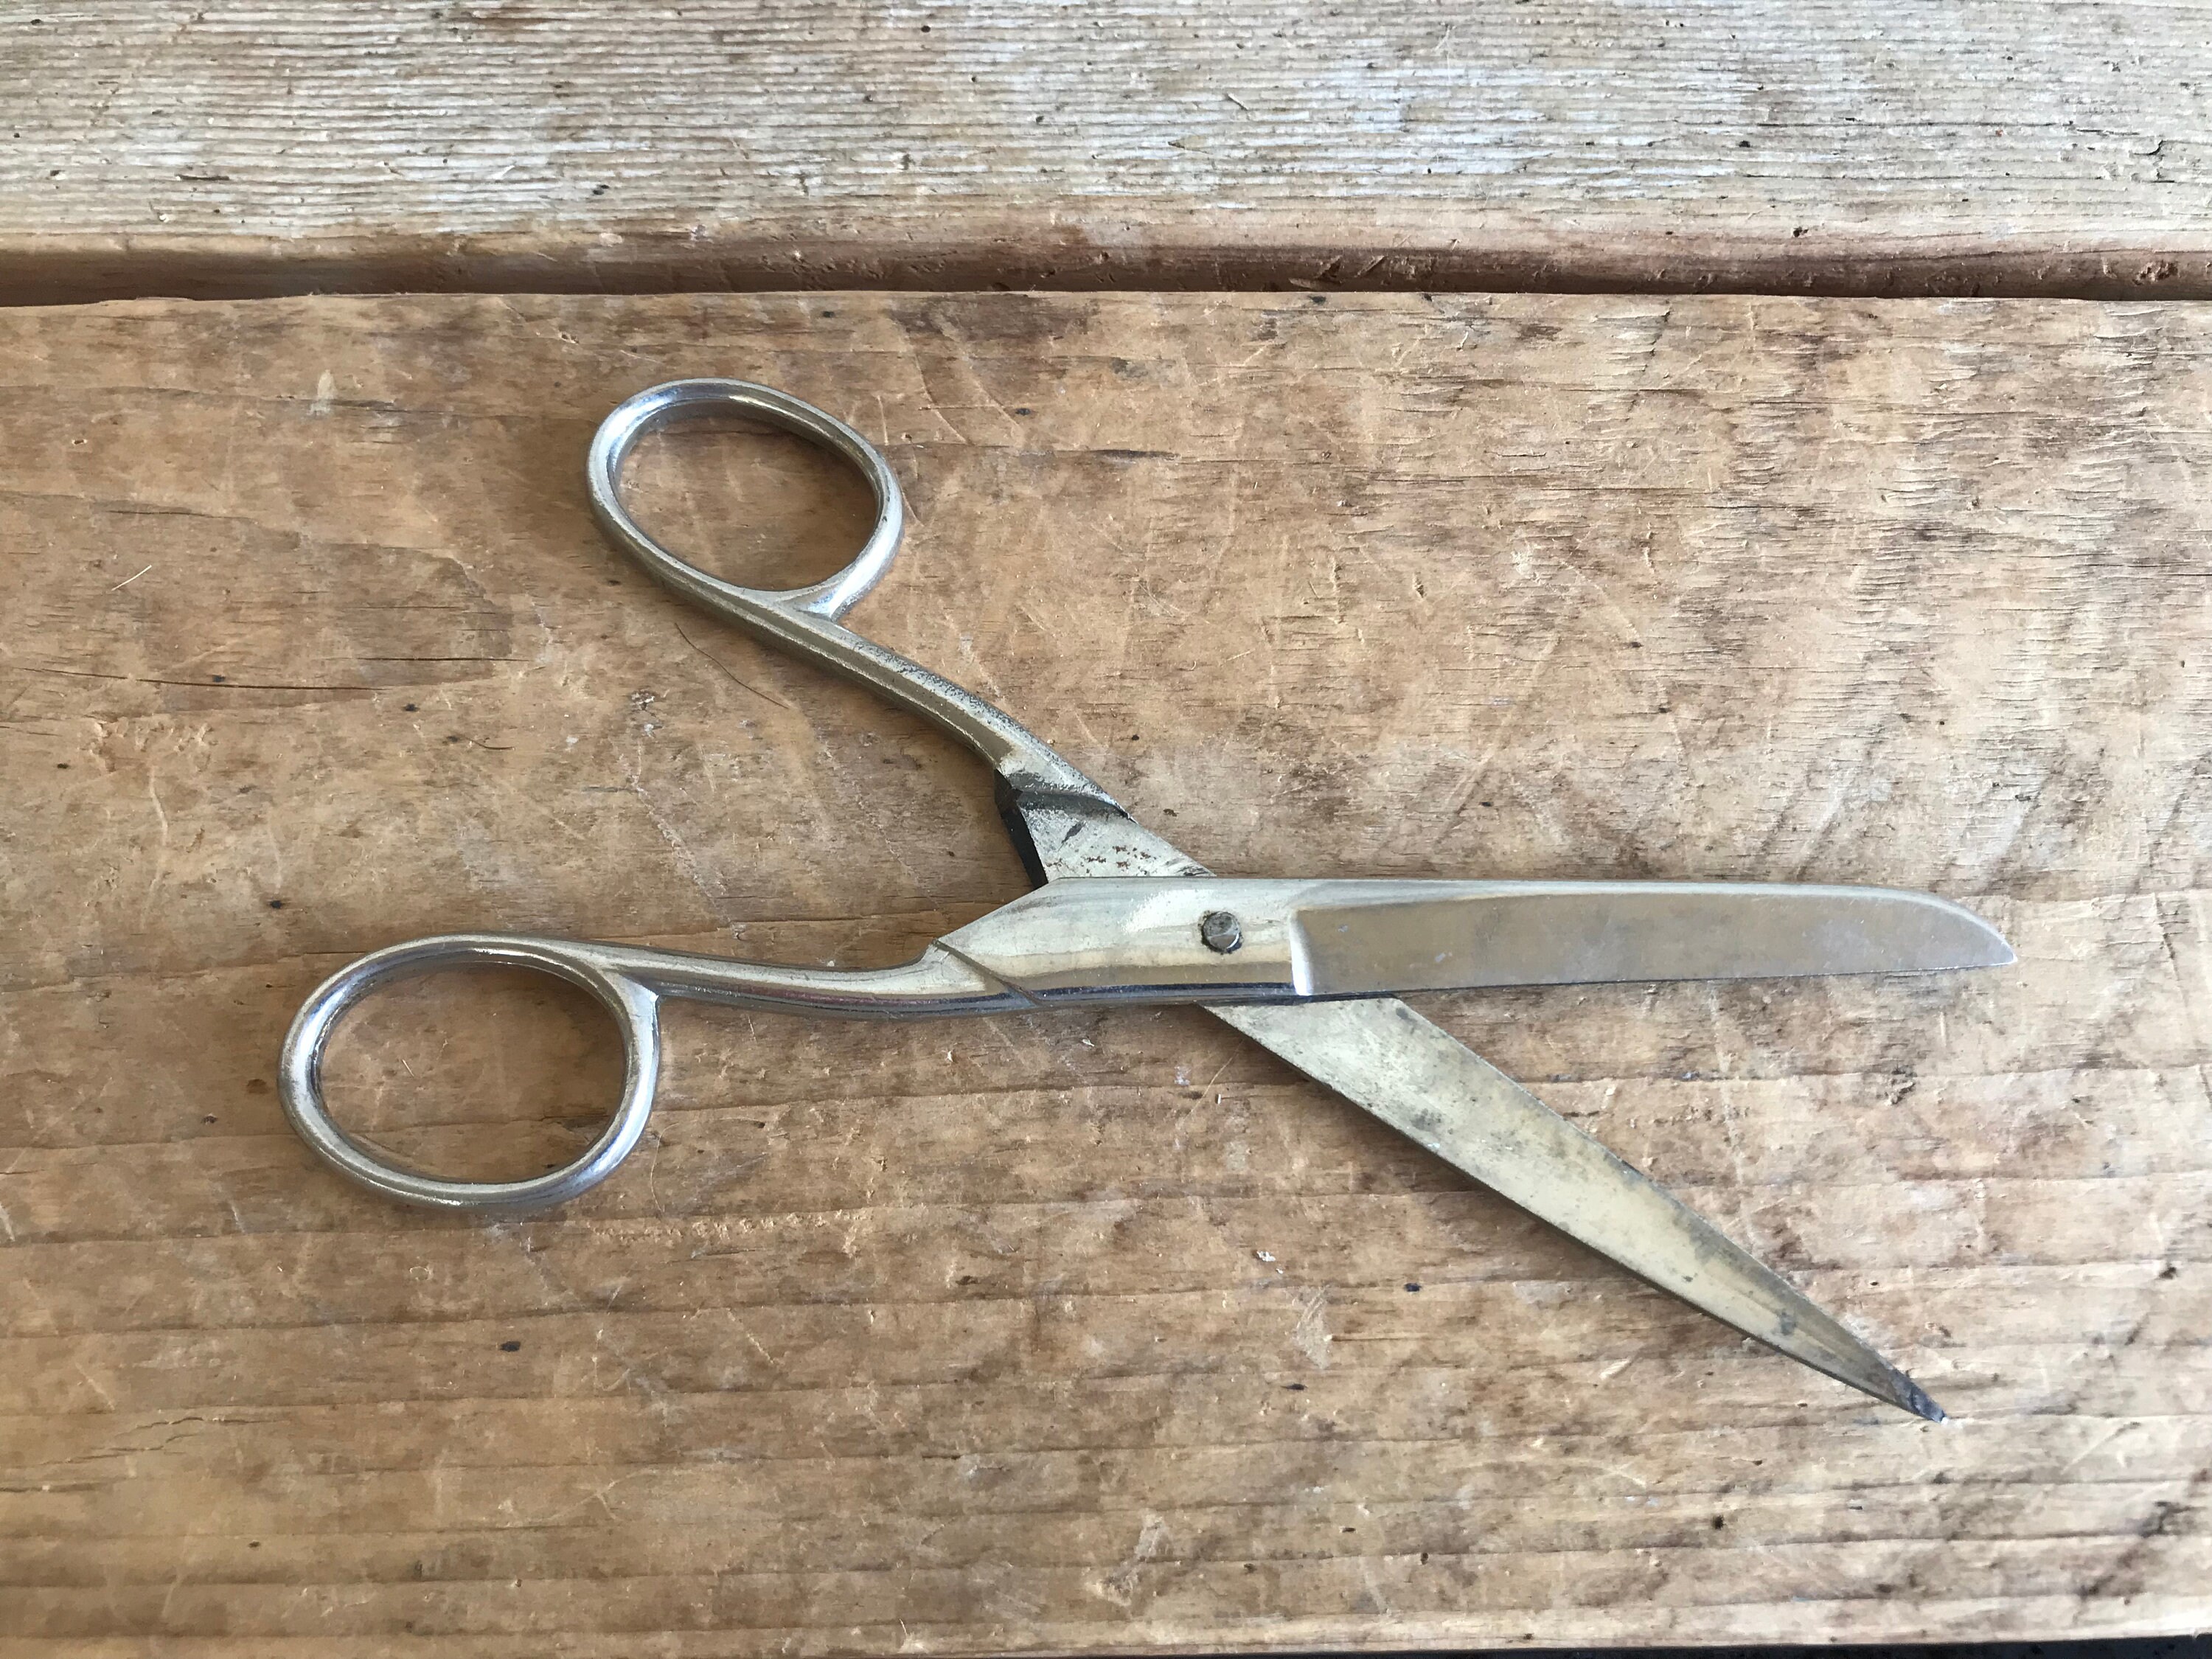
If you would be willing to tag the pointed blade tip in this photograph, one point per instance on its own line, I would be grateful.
(1912, 1397)
(1876, 1378)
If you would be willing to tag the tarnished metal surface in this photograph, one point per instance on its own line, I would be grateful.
(1427, 1085)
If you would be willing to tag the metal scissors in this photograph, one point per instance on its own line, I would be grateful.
(1309, 968)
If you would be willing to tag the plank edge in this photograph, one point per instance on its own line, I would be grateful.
(1228, 253)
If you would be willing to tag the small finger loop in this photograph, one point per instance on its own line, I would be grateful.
(656, 405)
(635, 1009)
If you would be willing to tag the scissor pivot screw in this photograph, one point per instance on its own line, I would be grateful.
(1219, 931)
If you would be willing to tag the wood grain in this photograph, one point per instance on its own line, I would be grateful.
(1831, 146)
(1104, 1332)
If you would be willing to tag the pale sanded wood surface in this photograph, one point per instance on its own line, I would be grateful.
(1842, 146)
(1098, 1333)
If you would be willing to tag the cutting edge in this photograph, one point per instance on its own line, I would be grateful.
(1336, 1044)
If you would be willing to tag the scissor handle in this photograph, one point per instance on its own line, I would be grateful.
(635, 1008)
(655, 406)
(629, 982)
(805, 619)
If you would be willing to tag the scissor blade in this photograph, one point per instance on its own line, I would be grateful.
(1363, 938)
(1430, 1087)
(1427, 1085)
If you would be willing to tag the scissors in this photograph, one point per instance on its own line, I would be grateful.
(1311, 970)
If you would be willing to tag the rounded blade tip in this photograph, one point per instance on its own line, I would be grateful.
(1997, 950)
(1973, 943)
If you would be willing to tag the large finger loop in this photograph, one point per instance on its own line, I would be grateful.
(656, 405)
(635, 1009)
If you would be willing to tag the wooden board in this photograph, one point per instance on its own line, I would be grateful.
(1103, 1332)
(1822, 145)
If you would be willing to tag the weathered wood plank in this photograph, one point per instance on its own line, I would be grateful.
(1101, 1332)
(1825, 145)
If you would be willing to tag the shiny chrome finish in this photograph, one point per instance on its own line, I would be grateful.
(1148, 940)
(1356, 939)
(1305, 967)
(628, 984)
(803, 620)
